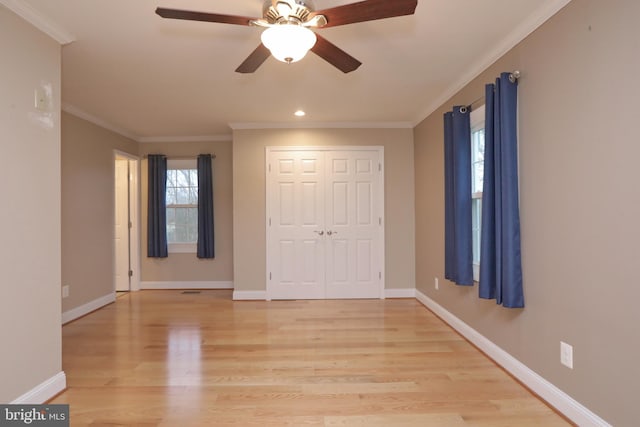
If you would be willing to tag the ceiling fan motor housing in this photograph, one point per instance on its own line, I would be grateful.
(287, 11)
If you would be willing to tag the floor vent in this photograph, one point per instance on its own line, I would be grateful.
(190, 292)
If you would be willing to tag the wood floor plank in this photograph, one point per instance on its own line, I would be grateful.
(163, 358)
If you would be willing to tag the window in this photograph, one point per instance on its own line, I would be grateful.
(477, 179)
(182, 205)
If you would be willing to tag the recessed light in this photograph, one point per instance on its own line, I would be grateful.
(300, 113)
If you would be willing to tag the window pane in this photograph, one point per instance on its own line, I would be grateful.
(192, 215)
(181, 230)
(192, 233)
(193, 196)
(476, 212)
(182, 221)
(182, 196)
(477, 160)
(182, 179)
(181, 215)
(171, 196)
(192, 224)
(184, 229)
(478, 177)
(481, 145)
(171, 178)
(194, 186)
(181, 234)
(171, 216)
(477, 183)
(171, 225)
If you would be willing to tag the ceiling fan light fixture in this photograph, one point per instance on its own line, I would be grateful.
(288, 42)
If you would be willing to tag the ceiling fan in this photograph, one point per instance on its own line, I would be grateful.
(288, 36)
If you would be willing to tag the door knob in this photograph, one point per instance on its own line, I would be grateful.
(330, 233)
(319, 233)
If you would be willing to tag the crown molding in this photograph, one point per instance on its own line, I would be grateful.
(202, 138)
(539, 17)
(40, 21)
(77, 112)
(74, 111)
(321, 125)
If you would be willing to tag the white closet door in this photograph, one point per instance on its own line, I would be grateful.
(324, 220)
(353, 224)
(296, 245)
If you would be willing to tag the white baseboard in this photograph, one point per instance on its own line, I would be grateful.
(77, 312)
(400, 293)
(564, 403)
(262, 295)
(43, 391)
(249, 295)
(187, 285)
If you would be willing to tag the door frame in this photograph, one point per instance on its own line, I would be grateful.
(381, 202)
(134, 215)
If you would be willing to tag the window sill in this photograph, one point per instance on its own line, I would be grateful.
(182, 248)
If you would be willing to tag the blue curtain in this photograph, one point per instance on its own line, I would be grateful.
(500, 258)
(206, 242)
(157, 207)
(458, 231)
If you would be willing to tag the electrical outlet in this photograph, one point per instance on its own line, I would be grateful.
(436, 284)
(65, 291)
(566, 354)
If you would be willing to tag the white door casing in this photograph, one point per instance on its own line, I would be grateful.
(325, 228)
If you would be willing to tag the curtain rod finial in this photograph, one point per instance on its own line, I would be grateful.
(514, 76)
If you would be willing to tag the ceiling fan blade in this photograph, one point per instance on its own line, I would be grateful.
(334, 55)
(368, 10)
(254, 61)
(202, 16)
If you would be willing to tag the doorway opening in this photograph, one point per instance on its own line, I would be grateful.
(126, 223)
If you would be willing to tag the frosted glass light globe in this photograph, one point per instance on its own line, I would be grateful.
(288, 42)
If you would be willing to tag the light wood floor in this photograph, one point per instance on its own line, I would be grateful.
(172, 359)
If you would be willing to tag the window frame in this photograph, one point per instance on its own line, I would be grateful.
(182, 247)
(477, 118)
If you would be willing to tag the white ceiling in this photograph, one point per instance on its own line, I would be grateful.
(153, 78)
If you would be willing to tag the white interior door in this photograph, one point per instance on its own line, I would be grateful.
(324, 223)
(353, 224)
(122, 260)
(296, 244)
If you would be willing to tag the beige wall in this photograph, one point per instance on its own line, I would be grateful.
(580, 205)
(249, 197)
(187, 267)
(88, 192)
(30, 210)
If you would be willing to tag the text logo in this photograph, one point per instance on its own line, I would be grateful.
(34, 415)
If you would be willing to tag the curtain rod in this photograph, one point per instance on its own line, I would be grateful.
(213, 156)
(513, 77)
